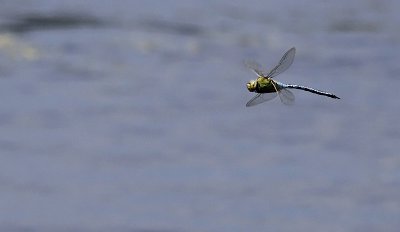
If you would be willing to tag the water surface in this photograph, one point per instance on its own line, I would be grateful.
(130, 116)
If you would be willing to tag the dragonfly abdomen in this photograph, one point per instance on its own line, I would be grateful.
(316, 91)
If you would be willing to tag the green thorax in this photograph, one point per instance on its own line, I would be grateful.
(265, 85)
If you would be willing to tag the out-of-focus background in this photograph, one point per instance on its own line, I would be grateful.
(130, 116)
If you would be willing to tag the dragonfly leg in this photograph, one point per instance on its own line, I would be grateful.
(277, 92)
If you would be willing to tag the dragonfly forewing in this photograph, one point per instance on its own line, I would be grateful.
(255, 67)
(284, 63)
(260, 98)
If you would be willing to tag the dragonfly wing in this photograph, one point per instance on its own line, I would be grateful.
(286, 96)
(284, 63)
(260, 98)
(255, 67)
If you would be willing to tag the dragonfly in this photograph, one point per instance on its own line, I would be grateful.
(268, 88)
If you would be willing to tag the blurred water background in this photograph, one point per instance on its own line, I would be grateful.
(130, 116)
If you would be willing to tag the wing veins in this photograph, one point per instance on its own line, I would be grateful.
(284, 63)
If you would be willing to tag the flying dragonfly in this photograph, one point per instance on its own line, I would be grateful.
(267, 88)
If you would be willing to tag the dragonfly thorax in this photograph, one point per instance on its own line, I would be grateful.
(252, 85)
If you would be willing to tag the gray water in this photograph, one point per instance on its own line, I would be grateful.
(130, 116)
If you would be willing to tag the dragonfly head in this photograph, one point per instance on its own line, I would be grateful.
(252, 85)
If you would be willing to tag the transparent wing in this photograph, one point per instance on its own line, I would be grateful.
(286, 96)
(260, 98)
(284, 63)
(255, 67)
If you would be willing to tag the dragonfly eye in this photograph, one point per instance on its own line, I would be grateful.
(251, 86)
